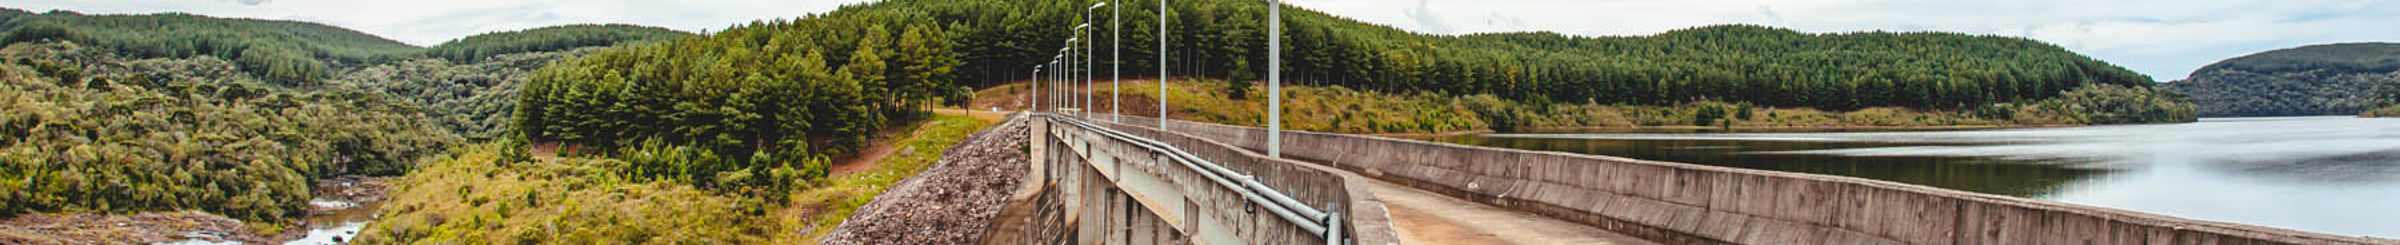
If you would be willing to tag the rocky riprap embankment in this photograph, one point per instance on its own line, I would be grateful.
(951, 202)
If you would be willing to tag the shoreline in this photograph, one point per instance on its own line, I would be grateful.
(1770, 129)
(1719, 129)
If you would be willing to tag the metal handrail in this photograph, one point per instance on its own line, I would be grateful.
(1309, 212)
(1307, 218)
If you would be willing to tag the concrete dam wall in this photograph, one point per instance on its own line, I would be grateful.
(1098, 188)
(1680, 203)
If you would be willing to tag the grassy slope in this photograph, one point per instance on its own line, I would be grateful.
(817, 210)
(484, 195)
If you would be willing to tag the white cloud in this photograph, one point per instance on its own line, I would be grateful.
(2163, 38)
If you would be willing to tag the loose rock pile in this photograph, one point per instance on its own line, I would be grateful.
(951, 202)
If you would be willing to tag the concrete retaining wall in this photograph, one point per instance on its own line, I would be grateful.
(1696, 204)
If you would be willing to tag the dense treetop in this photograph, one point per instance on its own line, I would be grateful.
(282, 52)
(2330, 79)
(82, 130)
(771, 98)
(291, 52)
(117, 113)
(1002, 39)
(553, 38)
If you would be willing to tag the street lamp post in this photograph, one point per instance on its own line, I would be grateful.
(1083, 83)
(1162, 65)
(1274, 79)
(1089, 74)
(1057, 75)
(1066, 58)
(1116, 51)
(1050, 94)
(1036, 82)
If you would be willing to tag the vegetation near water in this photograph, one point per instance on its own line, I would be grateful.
(2332, 79)
(2392, 111)
(87, 131)
(1342, 110)
(103, 121)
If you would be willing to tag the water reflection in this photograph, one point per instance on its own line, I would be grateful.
(338, 226)
(2336, 175)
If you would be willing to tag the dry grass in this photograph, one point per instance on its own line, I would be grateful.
(817, 210)
(484, 195)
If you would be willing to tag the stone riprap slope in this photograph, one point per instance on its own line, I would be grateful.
(951, 202)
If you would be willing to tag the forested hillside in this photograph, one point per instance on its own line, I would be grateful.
(98, 119)
(473, 99)
(1002, 39)
(554, 38)
(84, 130)
(280, 52)
(2331, 79)
(614, 99)
(766, 99)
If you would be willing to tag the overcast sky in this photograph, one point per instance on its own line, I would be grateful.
(2163, 38)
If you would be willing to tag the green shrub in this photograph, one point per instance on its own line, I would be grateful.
(223, 144)
(2391, 111)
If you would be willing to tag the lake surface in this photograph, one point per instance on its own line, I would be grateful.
(2337, 175)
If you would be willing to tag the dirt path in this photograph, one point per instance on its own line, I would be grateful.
(873, 155)
(866, 159)
(1427, 218)
(986, 114)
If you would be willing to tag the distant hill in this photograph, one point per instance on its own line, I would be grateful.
(554, 38)
(2330, 79)
(1000, 41)
(291, 52)
(2340, 57)
(282, 52)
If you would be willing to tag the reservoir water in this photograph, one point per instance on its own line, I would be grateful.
(2336, 175)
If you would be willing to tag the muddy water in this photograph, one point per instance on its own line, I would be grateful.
(343, 206)
(338, 226)
(2337, 175)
